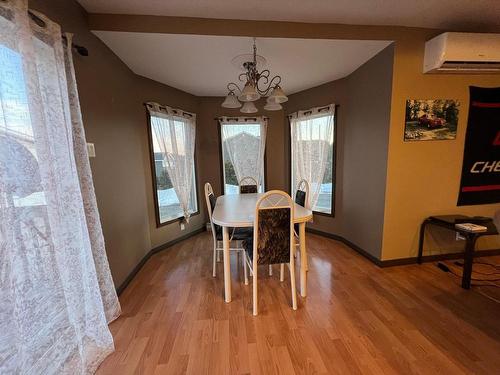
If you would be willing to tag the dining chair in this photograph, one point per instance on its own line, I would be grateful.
(236, 234)
(273, 239)
(248, 185)
(302, 199)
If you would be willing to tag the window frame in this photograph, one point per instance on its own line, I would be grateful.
(152, 160)
(221, 160)
(334, 165)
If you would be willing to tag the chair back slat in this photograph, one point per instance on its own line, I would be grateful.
(211, 199)
(248, 185)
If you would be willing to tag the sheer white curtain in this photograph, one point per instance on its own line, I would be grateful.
(56, 292)
(311, 136)
(174, 131)
(245, 149)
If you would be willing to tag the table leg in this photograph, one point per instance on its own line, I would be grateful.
(468, 260)
(421, 241)
(227, 264)
(303, 260)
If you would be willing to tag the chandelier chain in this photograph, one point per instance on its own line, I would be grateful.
(254, 77)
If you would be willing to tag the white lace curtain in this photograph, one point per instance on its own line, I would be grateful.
(174, 130)
(311, 136)
(57, 295)
(245, 150)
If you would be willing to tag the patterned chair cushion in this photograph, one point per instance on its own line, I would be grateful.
(300, 199)
(274, 237)
(213, 200)
(248, 189)
(241, 234)
(238, 234)
(218, 232)
(248, 246)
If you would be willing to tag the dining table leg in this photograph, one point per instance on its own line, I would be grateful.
(227, 264)
(303, 259)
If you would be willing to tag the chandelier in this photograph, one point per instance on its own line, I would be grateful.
(256, 85)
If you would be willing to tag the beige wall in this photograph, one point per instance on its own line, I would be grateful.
(423, 177)
(112, 98)
(362, 141)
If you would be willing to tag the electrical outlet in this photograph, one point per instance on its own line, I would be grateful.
(91, 150)
(459, 237)
(183, 226)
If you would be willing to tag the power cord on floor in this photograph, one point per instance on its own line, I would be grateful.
(496, 266)
(445, 268)
(461, 264)
(488, 296)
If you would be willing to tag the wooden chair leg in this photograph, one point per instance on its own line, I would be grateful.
(244, 258)
(270, 270)
(218, 256)
(282, 272)
(292, 282)
(214, 260)
(255, 301)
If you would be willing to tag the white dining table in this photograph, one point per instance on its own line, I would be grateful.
(238, 211)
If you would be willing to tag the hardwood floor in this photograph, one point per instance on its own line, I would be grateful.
(357, 319)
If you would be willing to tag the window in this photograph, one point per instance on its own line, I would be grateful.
(312, 155)
(173, 167)
(243, 149)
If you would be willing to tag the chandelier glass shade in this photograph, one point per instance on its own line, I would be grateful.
(249, 93)
(231, 101)
(256, 85)
(273, 107)
(249, 107)
(277, 96)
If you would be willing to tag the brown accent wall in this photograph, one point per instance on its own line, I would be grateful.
(112, 98)
(364, 99)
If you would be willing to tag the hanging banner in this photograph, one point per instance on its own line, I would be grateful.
(480, 182)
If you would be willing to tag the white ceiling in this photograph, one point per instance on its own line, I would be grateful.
(201, 64)
(464, 15)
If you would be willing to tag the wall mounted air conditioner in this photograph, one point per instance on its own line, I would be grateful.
(471, 53)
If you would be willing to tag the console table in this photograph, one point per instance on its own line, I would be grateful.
(448, 222)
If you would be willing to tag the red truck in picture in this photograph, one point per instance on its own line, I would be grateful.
(431, 122)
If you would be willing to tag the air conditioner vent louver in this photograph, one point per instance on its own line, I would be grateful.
(472, 62)
(463, 53)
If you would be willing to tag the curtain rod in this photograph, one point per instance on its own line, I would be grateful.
(80, 49)
(175, 110)
(309, 111)
(236, 117)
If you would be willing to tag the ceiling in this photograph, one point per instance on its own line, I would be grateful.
(201, 64)
(462, 15)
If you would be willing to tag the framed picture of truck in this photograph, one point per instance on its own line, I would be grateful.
(431, 119)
